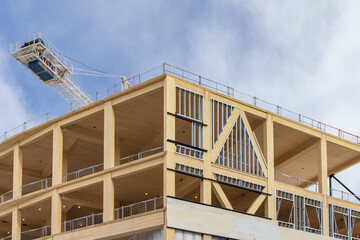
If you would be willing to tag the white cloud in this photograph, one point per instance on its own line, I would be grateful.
(302, 55)
(12, 103)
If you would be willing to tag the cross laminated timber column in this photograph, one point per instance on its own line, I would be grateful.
(109, 161)
(323, 187)
(269, 152)
(205, 185)
(169, 133)
(57, 173)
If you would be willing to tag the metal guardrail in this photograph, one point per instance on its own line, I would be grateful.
(6, 196)
(202, 81)
(6, 238)
(295, 181)
(189, 152)
(343, 195)
(36, 233)
(83, 172)
(140, 207)
(83, 222)
(139, 155)
(35, 186)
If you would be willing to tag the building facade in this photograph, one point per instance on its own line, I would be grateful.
(170, 159)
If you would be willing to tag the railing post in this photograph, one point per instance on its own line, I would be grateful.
(254, 100)
(200, 80)
(24, 126)
(163, 68)
(122, 212)
(155, 203)
(46, 117)
(97, 96)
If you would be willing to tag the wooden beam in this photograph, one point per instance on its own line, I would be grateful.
(137, 92)
(255, 145)
(221, 196)
(299, 151)
(87, 201)
(33, 137)
(84, 134)
(256, 204)
(224, 135)
(296, 125)
(80, 115)
(237, 174)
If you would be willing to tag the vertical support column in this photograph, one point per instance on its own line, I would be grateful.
(205, 185)
(269, 151)
(56, 212)
(109, 135)
(65, 162)
(17, 171)
(16, 224)
(117, 150)
(108, 198)
(323, 187)
(57, 161)
(169, 133)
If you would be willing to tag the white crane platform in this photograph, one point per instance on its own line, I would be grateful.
(38, 55)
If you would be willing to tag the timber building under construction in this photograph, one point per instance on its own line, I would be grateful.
(170, 159)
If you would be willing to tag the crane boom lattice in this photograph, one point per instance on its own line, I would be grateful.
(41, 57)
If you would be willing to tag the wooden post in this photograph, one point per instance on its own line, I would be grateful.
(17, 171)
(16, 224)
(269, 153)
(109, 135)
(169, 133)
(108, 198)
(323, 187)
(205, 185)
(56, 213)
(57, 158)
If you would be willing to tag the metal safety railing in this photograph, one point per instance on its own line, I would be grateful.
(139, 155)
(344, 195)
(6, 196)
(140, 207)
(6, 238)
(189, 152)
(198, 79)
(298, 182)
(83, 172)
(86, 221)
(36, 233)
(35, 186)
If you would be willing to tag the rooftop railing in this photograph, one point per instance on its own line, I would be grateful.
(197, 79)
(295, 181)
(344, 195)
(83, 172)
(36, 186)
(140, 207)
(6, 196)
(36, 233)
(83, 222)
(139, 155)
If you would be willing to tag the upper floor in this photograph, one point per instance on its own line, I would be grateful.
(209, 147)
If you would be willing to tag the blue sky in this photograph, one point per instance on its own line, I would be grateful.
(302, 55)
